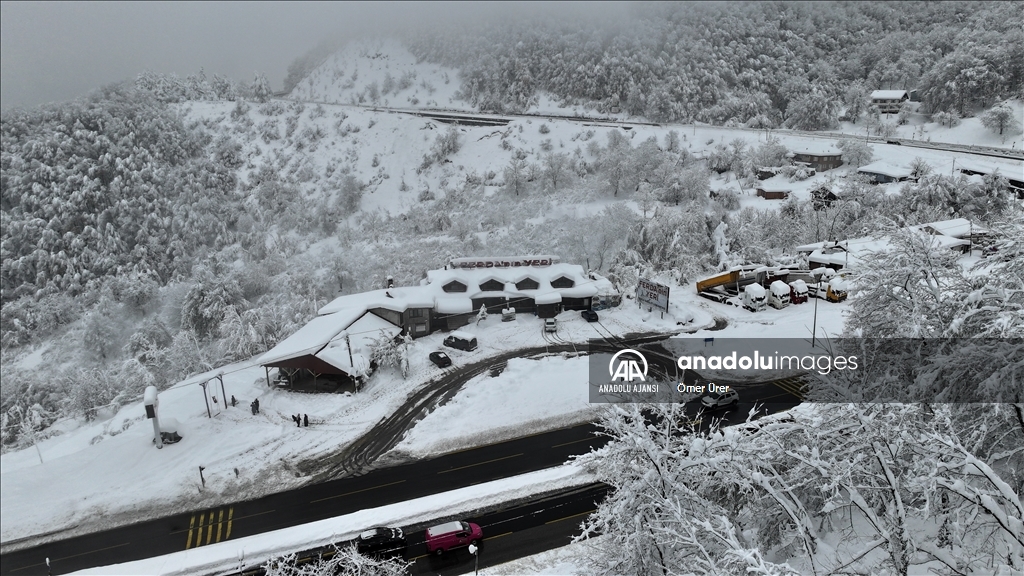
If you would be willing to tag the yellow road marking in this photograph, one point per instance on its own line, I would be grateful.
(191, 525)
(480, 463)
(573, 516)
(498, 536)
(220, 523)
(209, 528)
(356, 491)
(231, 512)
(573, 442)
(794, 387)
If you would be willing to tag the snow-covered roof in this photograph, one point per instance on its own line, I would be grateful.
(889, 94)
(1007, 168)
(799, 285)
(779, 287)
(548, 298)
(311, 337)
(775, 188)
(351, 312)
(472, 278)
(453, 305)
(886, 169)
(852, 252)
(817, 149)
(445, 528)
(957, 228)
(369, 328)
(397, 299)
(337, 356)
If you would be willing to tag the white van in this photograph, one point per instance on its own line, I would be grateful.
(461, 340)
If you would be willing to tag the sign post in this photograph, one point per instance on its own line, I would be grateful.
(652, 293)
(152, 402)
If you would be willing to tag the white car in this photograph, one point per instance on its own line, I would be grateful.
(719, 399)
(550, 325)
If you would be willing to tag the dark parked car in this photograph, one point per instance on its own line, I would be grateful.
(440, 359)
(589, 315)
(381, 541)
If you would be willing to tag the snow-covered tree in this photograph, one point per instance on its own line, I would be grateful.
(391, 352)
(1000, 118)
(769, 154)
(813, 111)
(556, 168)
(855, 152)
(947, 119)
(856, 100)
(515, 175)
(260, 87)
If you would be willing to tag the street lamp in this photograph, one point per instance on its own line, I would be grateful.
(476, 556)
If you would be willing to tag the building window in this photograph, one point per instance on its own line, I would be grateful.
(454, 286)
(562, 282)
(416, 313)
(527, 284)
(420, 328)
(492, 286)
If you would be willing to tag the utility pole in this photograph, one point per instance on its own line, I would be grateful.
(817, 291)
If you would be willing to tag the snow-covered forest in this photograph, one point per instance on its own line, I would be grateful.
(165, 226)
(721, 62)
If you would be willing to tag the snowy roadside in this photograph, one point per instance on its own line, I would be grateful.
(255, 550)
(106, 473)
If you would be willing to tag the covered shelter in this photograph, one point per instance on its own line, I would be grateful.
(333, 347)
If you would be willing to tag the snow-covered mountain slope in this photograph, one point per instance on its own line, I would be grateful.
(380, 73)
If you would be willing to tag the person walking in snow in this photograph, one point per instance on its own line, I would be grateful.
(305, 420)
(256, 402)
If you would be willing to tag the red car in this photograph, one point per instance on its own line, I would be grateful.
(457, 534)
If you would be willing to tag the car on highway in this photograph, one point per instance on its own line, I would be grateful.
(550, 325)
(381, 541)
(456, 534)
(589, 315)
(440, 359)
(720, 399)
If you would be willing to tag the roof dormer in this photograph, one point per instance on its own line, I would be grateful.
(492, 285)
(563, 282)
(528, 283)
(454, 286)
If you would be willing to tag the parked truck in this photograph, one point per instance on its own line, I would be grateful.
(755, 298)
(834, 290)
(797, 292)
(778, 294)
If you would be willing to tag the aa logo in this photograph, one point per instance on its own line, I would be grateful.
(623, 366)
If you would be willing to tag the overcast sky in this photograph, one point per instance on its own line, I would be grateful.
(57, 51)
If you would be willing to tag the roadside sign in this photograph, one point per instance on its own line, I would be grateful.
(652, 293)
